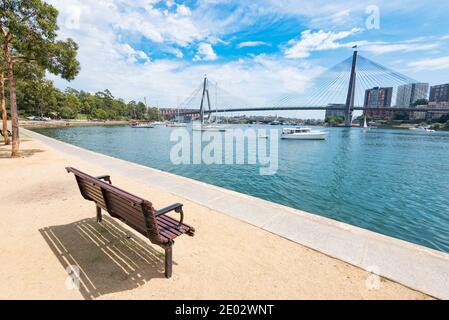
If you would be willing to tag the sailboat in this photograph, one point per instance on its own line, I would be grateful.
(365, 125)
(177, 124)
(158, 123)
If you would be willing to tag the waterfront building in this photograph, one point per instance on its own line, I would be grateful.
(379, 98)
(435, 115)
(334, 113)
(409, 93)
(439, 93)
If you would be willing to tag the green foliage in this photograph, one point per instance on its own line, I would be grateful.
(153, 114)
(30, 29)
(335, 119)
(41, 97)
(421, 102)
(401, 116)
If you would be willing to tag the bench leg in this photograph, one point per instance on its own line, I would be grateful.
(168, 260)
(98, 214)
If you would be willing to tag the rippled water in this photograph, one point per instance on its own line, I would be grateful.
(395, 182)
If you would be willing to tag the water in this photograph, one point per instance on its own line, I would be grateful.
(395, 182)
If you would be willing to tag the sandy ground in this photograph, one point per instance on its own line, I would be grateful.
(47, 226)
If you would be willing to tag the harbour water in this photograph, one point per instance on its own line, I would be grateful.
(395, 182)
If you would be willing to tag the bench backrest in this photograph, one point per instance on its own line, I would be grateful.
(135, 211)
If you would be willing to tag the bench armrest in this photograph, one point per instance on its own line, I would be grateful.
(106, 178)
(177, 207)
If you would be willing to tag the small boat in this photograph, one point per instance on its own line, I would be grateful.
(209, 127)
(177, 125)
(158, 124)
(425, 129)
(142, 125)
(301, 133)
(365, 125)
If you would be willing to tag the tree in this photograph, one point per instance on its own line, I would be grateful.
(421, 102)
(333, 120)
(70, 107)
(141, 111)
(3, 104)
(153, 114)
(29, 35)
(401, 116)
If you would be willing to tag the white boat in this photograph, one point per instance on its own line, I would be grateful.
(365, 125)
(426, 129)
(142, 125)
(177, 125)
(208, 127)
(301, 133)
(158, 123)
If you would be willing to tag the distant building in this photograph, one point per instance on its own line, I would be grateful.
(439, 93)
(435, 115)
(335, 113)
(408, 94)
(378, 98)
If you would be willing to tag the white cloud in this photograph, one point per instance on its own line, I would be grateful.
(133, 18)
(252, 44)
(382, 47)
(107, 30)
(205, 53)
(431, 64)
(316, 41)
(132, 55)
(183, 10)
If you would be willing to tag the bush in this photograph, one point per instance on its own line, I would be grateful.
(99, 114)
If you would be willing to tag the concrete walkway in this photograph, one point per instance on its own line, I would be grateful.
(412, 265)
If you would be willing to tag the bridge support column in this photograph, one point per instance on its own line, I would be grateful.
(351, 92)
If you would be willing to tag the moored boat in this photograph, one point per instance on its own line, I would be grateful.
(300, 133)
(209, 127)
(142, 125)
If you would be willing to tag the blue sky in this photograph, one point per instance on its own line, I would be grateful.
(259, 50)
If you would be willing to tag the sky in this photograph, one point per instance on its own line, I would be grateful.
(257, 50)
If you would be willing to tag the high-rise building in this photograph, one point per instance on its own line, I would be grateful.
(439, 93)
(378, 98)
(409, 93)
(335, 113)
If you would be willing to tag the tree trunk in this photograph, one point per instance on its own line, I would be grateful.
(3, 104)
(12, 101)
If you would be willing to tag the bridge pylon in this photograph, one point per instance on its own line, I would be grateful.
(205, 98)
(351, 91)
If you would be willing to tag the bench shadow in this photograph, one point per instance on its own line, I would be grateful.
(108, 257)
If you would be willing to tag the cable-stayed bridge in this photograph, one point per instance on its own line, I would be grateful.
(341, 87)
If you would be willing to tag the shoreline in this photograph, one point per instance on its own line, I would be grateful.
(64, 123)
(357, 246)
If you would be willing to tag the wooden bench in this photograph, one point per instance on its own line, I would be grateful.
(136, 212)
